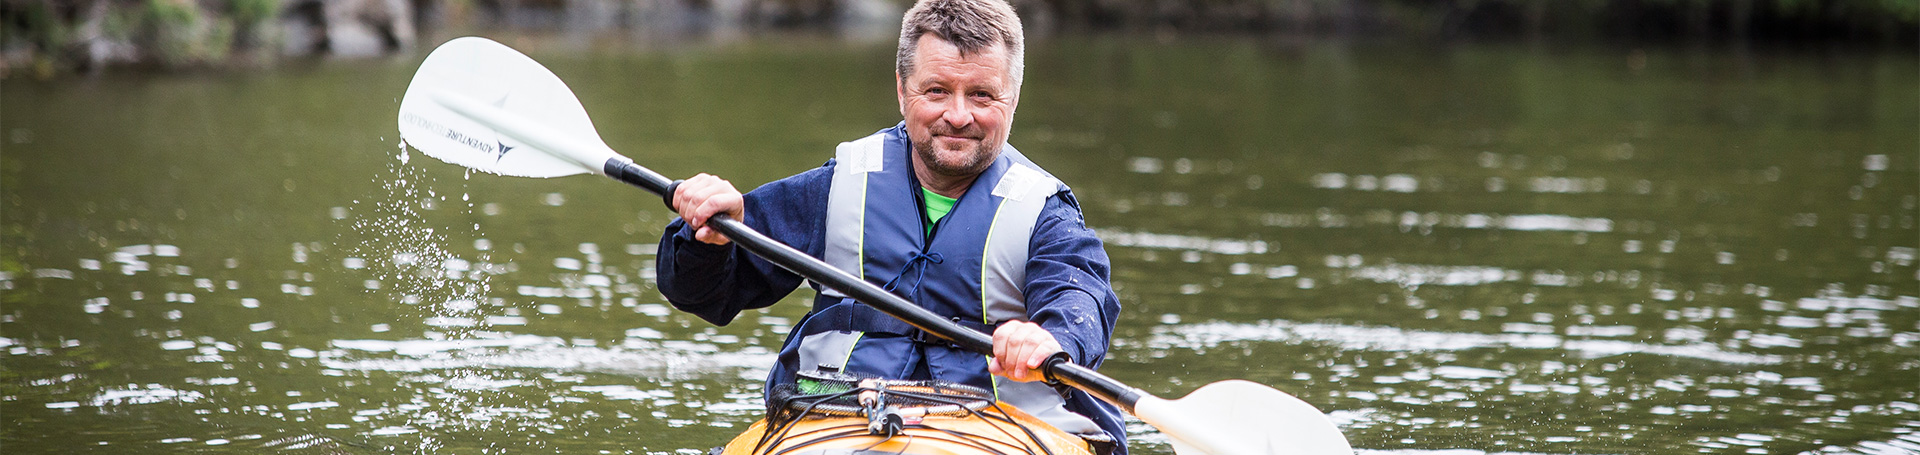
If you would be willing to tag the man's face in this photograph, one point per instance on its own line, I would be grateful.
(958, 108)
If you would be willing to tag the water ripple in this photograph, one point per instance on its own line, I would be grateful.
(1352, 337)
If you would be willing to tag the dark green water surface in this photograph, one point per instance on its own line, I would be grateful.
(1452, 249)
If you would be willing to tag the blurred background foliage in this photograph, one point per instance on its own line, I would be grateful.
(46, 38)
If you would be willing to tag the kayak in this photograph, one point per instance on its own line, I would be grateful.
(835, 415)
(455, 98)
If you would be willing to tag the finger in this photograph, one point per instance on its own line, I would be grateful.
(1039, 358)
(684, 196)
(700, 188)
(705, 212)
(719, 204)
(715, 196)
(1015, 339)
(707, 235)
(689, 207)
(1018, 359)
(712, 206)
(1045, 350)
(1002, 336)
(1028, 373)
(1006, 348)
(678, 199)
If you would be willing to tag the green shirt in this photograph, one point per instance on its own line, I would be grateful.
(937, 207)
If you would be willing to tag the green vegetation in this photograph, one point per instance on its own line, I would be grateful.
(46, 37)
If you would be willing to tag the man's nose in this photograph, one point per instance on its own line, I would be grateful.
(957, 114)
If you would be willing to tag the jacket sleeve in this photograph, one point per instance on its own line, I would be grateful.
(1068, 290)
(717, 282)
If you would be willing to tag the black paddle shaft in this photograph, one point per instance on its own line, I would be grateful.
(1055, 369)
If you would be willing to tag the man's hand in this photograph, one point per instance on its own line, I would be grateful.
(1019, 347)
(702, 196)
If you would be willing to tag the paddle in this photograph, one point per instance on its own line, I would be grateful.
(480, 104)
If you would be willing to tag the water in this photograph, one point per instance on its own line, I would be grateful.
(1459, 249)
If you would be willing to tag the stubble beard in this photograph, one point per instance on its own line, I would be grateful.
(956, 166)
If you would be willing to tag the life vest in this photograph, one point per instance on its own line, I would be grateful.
(973, 271)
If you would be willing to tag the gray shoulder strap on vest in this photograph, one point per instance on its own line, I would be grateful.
(1023, 191)
(847, 203)
(1003, 268)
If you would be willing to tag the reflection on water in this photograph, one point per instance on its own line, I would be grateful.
(1516, 335)
(1480, 249)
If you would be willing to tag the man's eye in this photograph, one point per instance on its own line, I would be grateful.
(936, 91)
(983, 96)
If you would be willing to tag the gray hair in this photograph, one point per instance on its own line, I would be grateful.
(970, 25)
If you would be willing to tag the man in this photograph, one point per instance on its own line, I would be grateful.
(938, 209)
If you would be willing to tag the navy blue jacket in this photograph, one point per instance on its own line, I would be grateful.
(1067, 274)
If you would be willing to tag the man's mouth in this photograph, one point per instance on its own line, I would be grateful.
(955, 141)
(948, 132)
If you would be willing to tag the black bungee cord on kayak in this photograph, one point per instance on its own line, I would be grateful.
(886, 404)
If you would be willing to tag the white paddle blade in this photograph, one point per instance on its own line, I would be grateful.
(1242, 418)
(479, 104)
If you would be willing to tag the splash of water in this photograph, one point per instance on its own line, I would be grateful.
(411, 257)
(411, 260)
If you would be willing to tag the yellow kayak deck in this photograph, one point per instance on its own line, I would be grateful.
(1000, 429)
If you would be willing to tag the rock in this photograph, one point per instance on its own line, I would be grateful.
(303, 29)
(348, 28)
(96, 45)
(358, 28)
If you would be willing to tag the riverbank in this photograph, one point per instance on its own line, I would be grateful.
(49, 38)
